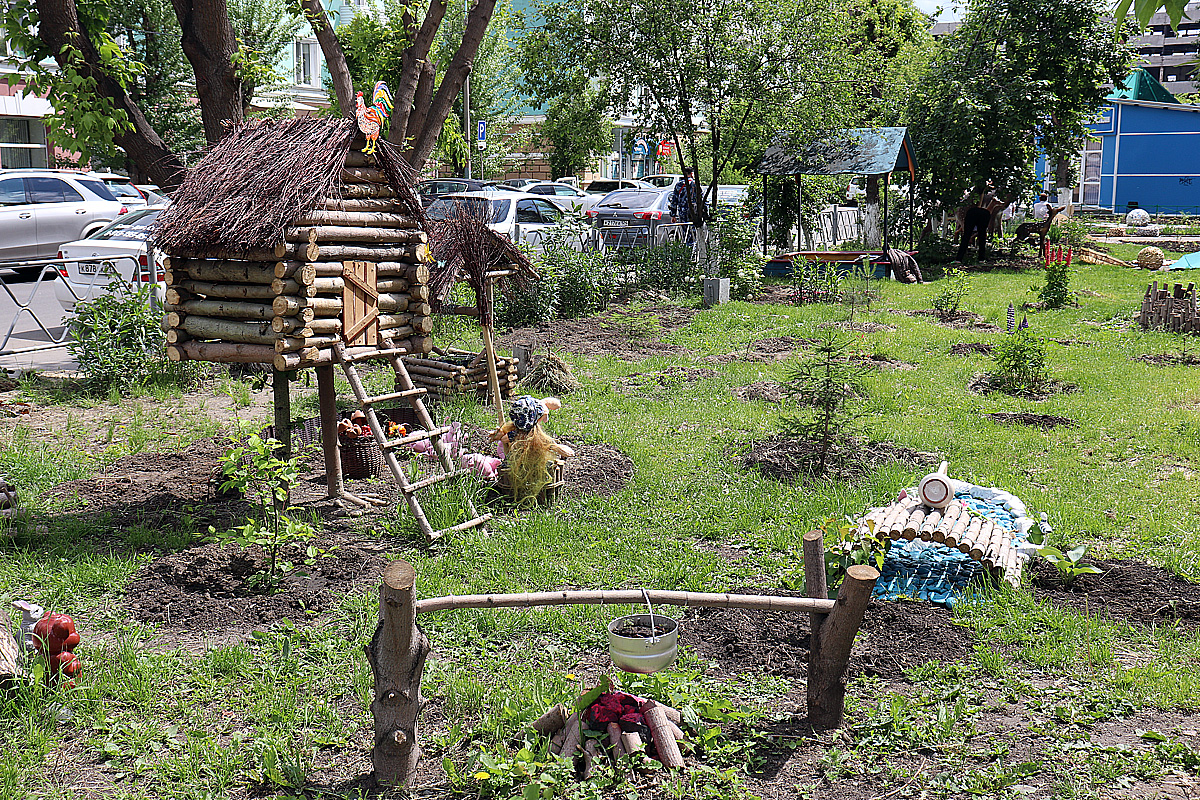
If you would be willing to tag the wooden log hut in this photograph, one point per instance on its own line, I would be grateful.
(285, 239)
(1172, 309)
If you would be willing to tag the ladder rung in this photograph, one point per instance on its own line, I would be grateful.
(462, 526)
(399, 351)
(436, 478)
(383, 398)
(419, 436)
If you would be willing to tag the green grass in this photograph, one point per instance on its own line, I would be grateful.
(290, 706)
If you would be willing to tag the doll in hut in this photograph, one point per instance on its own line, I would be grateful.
(529, 452)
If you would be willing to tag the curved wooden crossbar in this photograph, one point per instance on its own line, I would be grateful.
(759, 602)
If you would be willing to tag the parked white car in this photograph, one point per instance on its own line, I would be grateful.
(116, 251)
(520, 216)
(564, 195)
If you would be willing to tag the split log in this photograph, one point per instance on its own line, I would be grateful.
(394, 285)
(288, 306)
(299, 271)
(913, 524)
(177, 336)
(960, 526)
(400, 332)
(420, 344)
(329, 269)
(571, 740)
(932, 520)
(551, 721)
(418, 292)
(830, 649)
(221, 270)
(178, 296)
(292, 344)
(397, 656)
(393, 302)
(229, 330)
(410, 253)
(814, 575)
(228, 309)
(222, 352)
(302, 251)
(231, 291)
(358, 219)
(414, 273)
(949, 518)
(631, 742)
(260, 254)
(344, 233)
(664, 740)
(285, 286)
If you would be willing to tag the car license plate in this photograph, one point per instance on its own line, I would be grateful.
(92, 267)
(616, 223)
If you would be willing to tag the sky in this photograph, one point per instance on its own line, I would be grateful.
(951, 10)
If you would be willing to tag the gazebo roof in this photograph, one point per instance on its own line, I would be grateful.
(849, 151)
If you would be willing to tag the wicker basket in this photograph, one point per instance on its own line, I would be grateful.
(361, 458)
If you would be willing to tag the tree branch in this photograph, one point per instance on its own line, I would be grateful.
(415, 63)
(335, 58)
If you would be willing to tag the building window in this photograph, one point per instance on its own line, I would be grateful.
(1090, 174)
(22, 143)
(306, 64)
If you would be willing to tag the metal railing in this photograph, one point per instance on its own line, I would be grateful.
(104, 272)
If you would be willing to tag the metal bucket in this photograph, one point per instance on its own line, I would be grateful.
(643, 655)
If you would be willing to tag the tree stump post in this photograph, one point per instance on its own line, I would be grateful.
(830, 650)
(397, 656)
(814, 577)
(327, 396)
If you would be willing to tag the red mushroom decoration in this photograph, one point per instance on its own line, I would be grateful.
(55, 638)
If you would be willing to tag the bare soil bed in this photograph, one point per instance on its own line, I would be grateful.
(971, 349)
(958, 320)
(984, 383)
(763, 351)
(767, 391)
(793, 460)
(658, 384)
(1125, 590)
(1024, 418)
(621, 331)
(1169, 359)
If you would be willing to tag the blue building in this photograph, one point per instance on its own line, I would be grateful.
(1146, 153)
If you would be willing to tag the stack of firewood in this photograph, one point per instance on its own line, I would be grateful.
(567, 739)
(461, 372)
(956, 527)
(285, 305)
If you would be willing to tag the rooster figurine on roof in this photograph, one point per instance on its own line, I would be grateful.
(371, 117)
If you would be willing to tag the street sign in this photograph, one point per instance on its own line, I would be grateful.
(665, 148)
(481, 138)
(641, 148)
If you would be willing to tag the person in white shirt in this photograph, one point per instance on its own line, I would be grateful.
(1041, 209)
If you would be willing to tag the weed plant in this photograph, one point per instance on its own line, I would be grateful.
(1020, 363)
(731, 255)
(1056, 292)
(118, 341)
(952, 291)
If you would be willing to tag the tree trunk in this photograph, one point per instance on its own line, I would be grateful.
(335, 59)
(59, 26)
(209, 43)
(872, 230)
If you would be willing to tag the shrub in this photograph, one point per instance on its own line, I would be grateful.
(118, 341)
(825, 383)
(669, 268)
(1057, 291)
(731, 247)
(586, 280)
(814, 282)
(536, 301)
(1020, 361)
(954, 288)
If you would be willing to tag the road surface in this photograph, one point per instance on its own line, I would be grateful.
(25, 327)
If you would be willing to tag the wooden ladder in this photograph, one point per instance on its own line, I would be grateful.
(444, 467)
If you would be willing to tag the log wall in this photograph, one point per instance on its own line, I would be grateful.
(1170, 309)
(284, 306)
(444, 379)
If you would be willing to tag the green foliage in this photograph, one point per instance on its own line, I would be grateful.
(731, 254)
(1070, 564)
(577, 127)
(669, 268)
(815, 282)
(586, 280)
(253, 469)
(1056, 292)
(846, 545)
(952, 291)
(1069, 230)
(118, 341)
(825, 383)
(265, 30)
(1020, 361)
(1144, 10)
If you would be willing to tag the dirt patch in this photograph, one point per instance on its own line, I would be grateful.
(779, 294)
(659, 384)
(597, 469)
(984, 383)
(1022, 418)
(211, 587)
(768, 391)
(895, 636)
(859, 327)
(883, 362)
(763, 351)
(1169, 359)
(1125, 590)
(958, 320)
(971, 348)
(621, 331)
(793, 460)
(1071, 342)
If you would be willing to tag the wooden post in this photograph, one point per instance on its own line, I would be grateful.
(830, 651)
(397, 655)
(814, 576)
(281, 383)
(327, 396)
(489, 348)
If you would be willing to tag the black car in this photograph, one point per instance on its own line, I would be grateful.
(432, 190)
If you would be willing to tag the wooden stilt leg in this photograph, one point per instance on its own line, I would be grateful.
(814, 575)
(327, 396)
(281, 387)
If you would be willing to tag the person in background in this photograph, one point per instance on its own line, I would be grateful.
(1041, 209)
(685, 204)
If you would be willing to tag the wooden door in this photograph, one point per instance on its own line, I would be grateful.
(360, 304)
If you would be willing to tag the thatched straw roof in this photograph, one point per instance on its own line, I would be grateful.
(258, 179)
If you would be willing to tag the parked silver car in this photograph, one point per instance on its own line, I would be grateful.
(629, 217)
(41, 209)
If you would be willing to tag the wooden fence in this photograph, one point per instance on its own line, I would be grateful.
(1170, 309)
